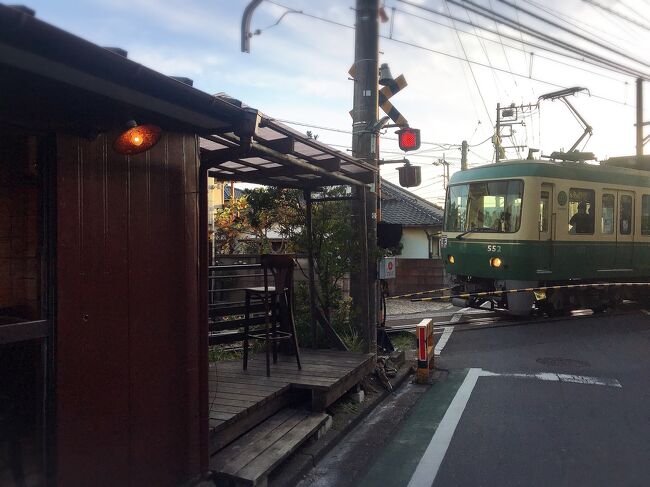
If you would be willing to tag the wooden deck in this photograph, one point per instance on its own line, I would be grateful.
(240, 400)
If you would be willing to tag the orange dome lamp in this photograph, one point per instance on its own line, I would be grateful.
(137, 139)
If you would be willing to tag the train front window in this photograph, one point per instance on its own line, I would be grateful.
(488, 206)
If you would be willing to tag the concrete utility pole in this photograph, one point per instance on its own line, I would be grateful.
(363, 286)
(639, 117)
(463, 156)
(497, 134)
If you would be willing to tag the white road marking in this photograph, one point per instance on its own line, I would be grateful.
(427, 469)
(645, 311)
(553, 377)
(459, 314)
(440, 344)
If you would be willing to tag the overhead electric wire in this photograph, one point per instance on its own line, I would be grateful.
(572, 32)
(503, 49)
(617, 14)
(567, 19)
(487, 58)
(489, 14)
(518, 27)
(345, 131)
(417, 46)
(462, 67)
(634, 11)
(472, 70)
(523, 42)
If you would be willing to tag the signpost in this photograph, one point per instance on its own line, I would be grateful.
(426, 347)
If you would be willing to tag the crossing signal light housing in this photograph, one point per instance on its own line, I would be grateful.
(409, 139)
(409, 176)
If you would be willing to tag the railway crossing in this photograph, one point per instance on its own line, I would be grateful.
(544, 401)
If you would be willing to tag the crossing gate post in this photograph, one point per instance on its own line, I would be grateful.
(426, 347)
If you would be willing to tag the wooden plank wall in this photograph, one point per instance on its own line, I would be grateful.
(127, 354)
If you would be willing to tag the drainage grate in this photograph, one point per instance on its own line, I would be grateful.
(562, 362)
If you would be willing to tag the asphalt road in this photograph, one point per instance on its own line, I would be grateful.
(526, 431)
(563, 403)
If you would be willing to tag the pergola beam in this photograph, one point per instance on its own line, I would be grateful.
(260, 150)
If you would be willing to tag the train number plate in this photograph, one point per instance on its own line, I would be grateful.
(443, 242)
(494, 248)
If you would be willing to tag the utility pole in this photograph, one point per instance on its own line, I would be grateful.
(363, 285)
(497, 134)
(463, 156)
(639, 117)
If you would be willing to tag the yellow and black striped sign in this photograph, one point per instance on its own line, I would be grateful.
(600, 285)
(387, 92)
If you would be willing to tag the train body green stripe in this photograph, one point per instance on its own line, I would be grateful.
(548, 260)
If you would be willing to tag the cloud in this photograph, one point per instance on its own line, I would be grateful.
(198, 19)
(175, 62)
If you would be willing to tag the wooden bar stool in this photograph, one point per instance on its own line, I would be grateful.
(278, 309)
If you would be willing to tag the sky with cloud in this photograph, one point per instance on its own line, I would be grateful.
(297, 68)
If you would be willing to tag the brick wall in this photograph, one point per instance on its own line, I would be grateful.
(19, 260)
(414, 275)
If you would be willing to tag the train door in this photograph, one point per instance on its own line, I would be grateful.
(545, 225)
(605, 253)
(625, 231)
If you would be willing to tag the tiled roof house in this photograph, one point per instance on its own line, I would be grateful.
(410, 220)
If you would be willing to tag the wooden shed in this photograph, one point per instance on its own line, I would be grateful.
(103, 260)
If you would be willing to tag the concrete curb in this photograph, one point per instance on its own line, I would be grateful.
(307, 457)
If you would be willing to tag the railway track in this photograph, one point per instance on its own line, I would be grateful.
(495, 319)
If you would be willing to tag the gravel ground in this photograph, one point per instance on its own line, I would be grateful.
(396, 307)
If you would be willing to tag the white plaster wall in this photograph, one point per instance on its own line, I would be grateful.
(415, 244)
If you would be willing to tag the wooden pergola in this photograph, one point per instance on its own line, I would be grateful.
(263, 151)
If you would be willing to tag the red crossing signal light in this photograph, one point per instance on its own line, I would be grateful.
(409, 139)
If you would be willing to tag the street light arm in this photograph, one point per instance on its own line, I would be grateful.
(246, 25)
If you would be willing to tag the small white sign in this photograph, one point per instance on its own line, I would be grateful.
(387, 268)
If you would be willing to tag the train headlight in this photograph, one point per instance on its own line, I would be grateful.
(450, 259)
(495, 262)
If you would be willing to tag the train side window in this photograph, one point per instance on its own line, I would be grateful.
(645, 214)
(607, 222)
(625, 215)
(543, 212)
(581, 211)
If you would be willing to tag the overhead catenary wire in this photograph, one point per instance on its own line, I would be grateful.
(491, 15)
(428, 49)
(617, 14)
(478, 87)
(572, 32)
(522, 41)
(521, 28)
(634, 11)
(347, 131)
(568, 19)
(503, 49)
(549, 83)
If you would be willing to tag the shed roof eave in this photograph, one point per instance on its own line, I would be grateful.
(38, 48)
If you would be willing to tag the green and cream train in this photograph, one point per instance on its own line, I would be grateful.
(536, 223)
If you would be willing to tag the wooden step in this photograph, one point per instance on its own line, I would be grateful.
(251, 458)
